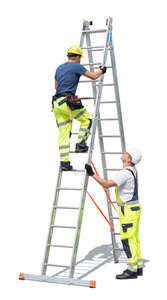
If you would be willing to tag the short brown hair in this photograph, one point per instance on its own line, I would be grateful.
(72, 55)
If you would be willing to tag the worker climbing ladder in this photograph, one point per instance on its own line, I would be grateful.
(97, 87)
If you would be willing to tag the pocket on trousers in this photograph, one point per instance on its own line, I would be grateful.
(135, 208)
(126, 226)
(127, 230)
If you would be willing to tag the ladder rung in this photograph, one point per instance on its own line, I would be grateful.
(60, 266)
(93, 64)
(69, 189)
(108, 67)
(60, 246)
(94, 50)
(112, 169)
(108, 136)
(105, 84)
(65, 207)
(119, 249)
(78, 152)
(93, 98)
(93, 47)
(108, 102)
(61, 226)
(95, 31)
(108, 119)
(116, 233)
(115, 218)
(77, 170)
(87, 98)
(112, 153)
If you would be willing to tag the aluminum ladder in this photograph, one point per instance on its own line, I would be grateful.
(97, 88)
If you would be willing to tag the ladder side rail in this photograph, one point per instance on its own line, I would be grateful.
(82, 38)
(101, 143)
(105, 174)
(117, 95)
(82, 201)
(52, 220)
(78, 228)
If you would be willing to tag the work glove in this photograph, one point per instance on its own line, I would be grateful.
(89, 170)
(104, 69)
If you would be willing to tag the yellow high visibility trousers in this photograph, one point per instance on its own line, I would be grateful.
(64, 124)
(129, 216)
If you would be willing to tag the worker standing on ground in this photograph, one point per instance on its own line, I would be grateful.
(67, 107)
(126, 183)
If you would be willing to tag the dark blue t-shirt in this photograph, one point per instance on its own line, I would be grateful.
(67, 76)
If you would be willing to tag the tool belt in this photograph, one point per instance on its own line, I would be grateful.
(73, 102)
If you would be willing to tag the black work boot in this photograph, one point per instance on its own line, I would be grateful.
(127, 275)
(65, 166)
(82, 147)
(140, 272)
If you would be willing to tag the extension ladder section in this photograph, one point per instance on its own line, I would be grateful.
(98, 86)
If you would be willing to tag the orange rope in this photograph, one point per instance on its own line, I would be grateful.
(100, 211)
(104, 188)
(112, 228)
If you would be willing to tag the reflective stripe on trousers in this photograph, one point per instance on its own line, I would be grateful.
(65, 126)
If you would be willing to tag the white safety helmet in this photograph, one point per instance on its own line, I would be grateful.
(135, 155)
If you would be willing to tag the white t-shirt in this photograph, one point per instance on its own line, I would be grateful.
(125, 183)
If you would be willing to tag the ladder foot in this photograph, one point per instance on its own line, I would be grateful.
(21, 276)
(116, 261)
(58, 280)
(92, 284)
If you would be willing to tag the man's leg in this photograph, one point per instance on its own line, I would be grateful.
(65, 125)
(128, 230)
(140, 264)
(130, 247)
(64, 145)
(85, 118)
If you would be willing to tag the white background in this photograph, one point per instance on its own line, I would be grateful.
(34, 38)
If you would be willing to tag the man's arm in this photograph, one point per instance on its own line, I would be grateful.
(56, 84)
(103, 182)
(93, 75)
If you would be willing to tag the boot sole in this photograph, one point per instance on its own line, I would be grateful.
(66, 170)
(126, 278)
(81, 151)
